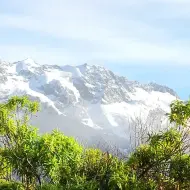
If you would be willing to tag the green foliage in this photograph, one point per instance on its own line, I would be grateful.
(180, 169)
(10, 185)
(61, 156)
(180, 112)
(162, 156)
(98, 166)
(19, 138)
(24, 156)
(5, 170)
(49, 187)
(57, 162)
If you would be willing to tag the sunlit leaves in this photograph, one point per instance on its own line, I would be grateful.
(180, 112)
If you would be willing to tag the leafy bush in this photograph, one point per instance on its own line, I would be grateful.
(49, 187)
(10, 185)
(61, 157)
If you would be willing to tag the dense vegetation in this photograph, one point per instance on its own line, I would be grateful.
(54, 161)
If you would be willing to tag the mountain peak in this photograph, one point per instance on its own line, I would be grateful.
(83, 67)
(26, 65)
(91, 67)
(29, 61)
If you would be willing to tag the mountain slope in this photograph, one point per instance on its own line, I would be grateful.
(89, 102)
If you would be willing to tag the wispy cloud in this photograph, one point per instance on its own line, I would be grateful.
(116, 31)
(39, 53)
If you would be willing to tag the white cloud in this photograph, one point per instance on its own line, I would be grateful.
(112, 33)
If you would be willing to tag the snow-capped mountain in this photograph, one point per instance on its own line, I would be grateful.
(88, 102)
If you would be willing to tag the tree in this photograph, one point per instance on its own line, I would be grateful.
(61, 157)
(180, 113)
(152, 161)
(19, 140)
(180, 171)
(180, 116)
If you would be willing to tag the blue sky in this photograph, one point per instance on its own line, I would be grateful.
(145, 40)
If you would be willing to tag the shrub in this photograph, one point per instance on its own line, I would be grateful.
(10, 185)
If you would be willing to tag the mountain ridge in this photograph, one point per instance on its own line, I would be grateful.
(86, 101)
